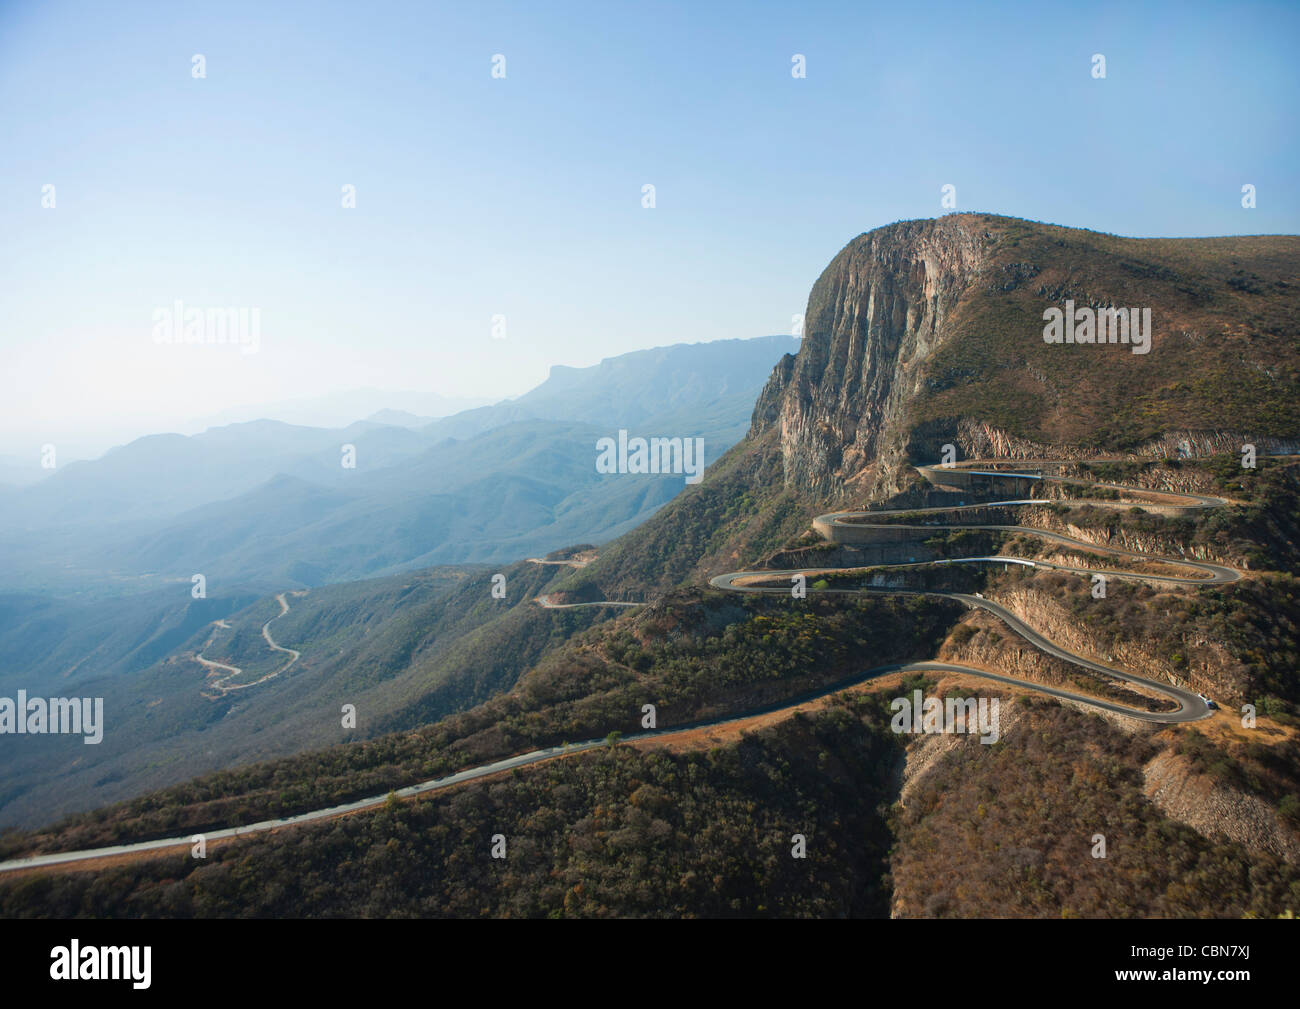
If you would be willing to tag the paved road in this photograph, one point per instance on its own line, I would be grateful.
(186, 841)
(833, 524)
(1191, 707)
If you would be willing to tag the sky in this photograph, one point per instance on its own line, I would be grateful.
(520, 197)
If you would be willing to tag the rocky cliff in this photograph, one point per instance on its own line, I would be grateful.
(927, 332)
(873, 318)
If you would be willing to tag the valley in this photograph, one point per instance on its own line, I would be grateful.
(424, 512)
(1096, 558)
(1191, 706)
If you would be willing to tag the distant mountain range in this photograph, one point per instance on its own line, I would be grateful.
(340, 409)
(95, 592)
(267, 500)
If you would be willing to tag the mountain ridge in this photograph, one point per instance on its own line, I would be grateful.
(878, 386)
(905, 317)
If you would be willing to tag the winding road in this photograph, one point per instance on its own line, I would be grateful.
(219, 684)
(836, 527)
(545, 603)
(845, 526)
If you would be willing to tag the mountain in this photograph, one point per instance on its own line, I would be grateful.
(632, 389)
(928, 332)
(160, 476)
(435, 640)
(116, 542)
(341, 409)
(517, 490)
(920, 334)
(398, 418)
(259, 499)
(65, 643)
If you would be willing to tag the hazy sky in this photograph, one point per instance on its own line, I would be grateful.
(522, 196)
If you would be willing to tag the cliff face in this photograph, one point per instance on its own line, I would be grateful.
(927, 332)
(874, 315)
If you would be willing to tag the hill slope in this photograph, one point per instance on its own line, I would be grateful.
(920, 333)
(927, 332)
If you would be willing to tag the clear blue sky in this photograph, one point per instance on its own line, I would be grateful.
(522, 196)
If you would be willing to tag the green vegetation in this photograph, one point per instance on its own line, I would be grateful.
(993, 830)
(612, 832)
(738, 511)
(405, 651)
(692, 655)
(1271, 771)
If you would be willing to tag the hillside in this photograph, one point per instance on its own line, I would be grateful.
(522, 486)
(264, 500)
(634, 389)
(435, 642)
(918, 334)
(928, 332)
(616, 833)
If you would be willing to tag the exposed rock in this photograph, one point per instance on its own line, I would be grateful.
(1216, 810)
(924, 333)
(872, 318)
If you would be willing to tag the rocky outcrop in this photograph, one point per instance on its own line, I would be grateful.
(1217, 810)
(1191, 444)
(926, 333)
(873, 317)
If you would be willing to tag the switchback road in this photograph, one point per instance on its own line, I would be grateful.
(832, 526)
